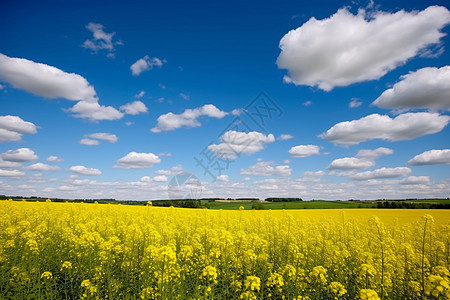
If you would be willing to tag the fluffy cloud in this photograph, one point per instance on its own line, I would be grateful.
(414, 180)
(302, 151)
(425, 88)
(134, 108)
(54, 158)
(267, 168)
(144, 64)
(285, 137)
(44, 80)
(9, 164)
(374, 154)
(19, 155)
(95, 112)
(235, 143)
(346, 48)
(404, 127)
(101, 40)
(382, 173)
(82, 170)
(12, 128)
(134, 160)
(175, 170)
(42, 167)
(223, 178)
(11, 173)
(188, 118)
(92, 139)
(160, 178)
(350, 163)
(431, 157)
(50, 82)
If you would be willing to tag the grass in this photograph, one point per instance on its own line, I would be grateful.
(315, 204)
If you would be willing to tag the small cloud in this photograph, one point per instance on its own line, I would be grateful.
(355, 103)
(160, 178)
(140, 95)
(185, 96)
(89, 142)
(302, 151)
(238, 111)
(146, 63)
(307, 103)
(164, 154)
(431, 157)
(19, 155)
(162, 86)
(54, 158)
(285, 137)
(129, 123)
(134, 160)
(223, 178)
(42, 167)
(82, 170)
(92, 139)
(101, 40)
(12, 128)
(134, 108)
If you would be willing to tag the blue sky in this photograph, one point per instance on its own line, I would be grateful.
(112, 100)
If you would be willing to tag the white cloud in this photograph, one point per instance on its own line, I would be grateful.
(101, 40)
(82, 170)
(95, 112)
(425, 88)
(9, 164)
(374, 154)
(160, 178)
(134, 108)
(185, 96)
(223, 178)
(42, 167)
(49, 82)
(354, 103)
(44, 80)
(307, 103)
(175, 170)
(89, 142)
(19, 155)
(140, 95)
(11, 173)
(12, 128)
(188, 118)
(404, 127)
(267, 168)
(382, 173)
(285, 137)
(431, 157)
(235, 143)
(238, 111)
(129, 123)
(302, 151)
(350, 163)
(414, 180)
(134, 160)
(346, 48)
(164, 154)
(54, 158)
(144, 64)
(109, 137)
(147, 179)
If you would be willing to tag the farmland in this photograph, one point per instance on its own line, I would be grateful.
(54, 250)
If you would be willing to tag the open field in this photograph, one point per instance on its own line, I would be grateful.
(92, 251)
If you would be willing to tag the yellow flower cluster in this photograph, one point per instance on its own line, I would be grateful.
(52, 250)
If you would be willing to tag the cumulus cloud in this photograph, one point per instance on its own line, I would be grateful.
(50, 82)
(95, 112)
(12, 128)
(54, 158)
(267, 168)
(404, 127)
(42, 167)
(9, 164)
(100, 40)
(144, 64)
(188, 118)
(350, 163)
(238, 111)
(382, 173)
(19, 155)
(374, 154)
(223, 178)
(175, 170)
(82, 170)
(11, 173)
(414, 180)
(345, 48)
(302, 151)
(431, 157)
(235, 143)
(44, 80)
(285, 137)
(426, 88)
(134, 160)
(93, 138)
(160, 178)
(134, 108)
